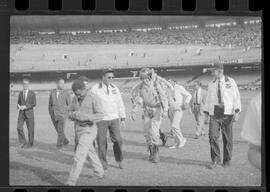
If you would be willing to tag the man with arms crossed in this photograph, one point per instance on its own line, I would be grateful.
(26, 104)
(114, 117)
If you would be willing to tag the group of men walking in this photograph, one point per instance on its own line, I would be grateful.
(100, 109)
(219, 107)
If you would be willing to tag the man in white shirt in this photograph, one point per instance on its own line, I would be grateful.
(25, 105)
(114, 117)
(197, 104)
(181, 99)
(223, 105)
(252, 130)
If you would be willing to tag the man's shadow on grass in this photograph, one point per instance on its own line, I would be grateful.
(50, 152)
(47, 152)
(163, 159)
(44, 175)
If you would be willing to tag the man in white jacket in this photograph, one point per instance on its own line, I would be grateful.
(223, 105)
(114, 117)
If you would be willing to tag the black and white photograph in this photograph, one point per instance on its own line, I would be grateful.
(135, 100)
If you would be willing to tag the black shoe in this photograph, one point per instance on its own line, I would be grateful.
(213, 165)
(151, 150)
(155, 155)
(164, 140)
(66, 142)
(23, 145)
(105, 167)
(226, 164)
(59, 147)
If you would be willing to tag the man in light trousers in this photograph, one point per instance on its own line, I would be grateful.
(181, 99)
(197, 106)
(86, 111)
(155, 106)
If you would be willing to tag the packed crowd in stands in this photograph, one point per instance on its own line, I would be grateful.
(235, 36)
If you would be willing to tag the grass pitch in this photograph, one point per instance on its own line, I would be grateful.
(45, 165)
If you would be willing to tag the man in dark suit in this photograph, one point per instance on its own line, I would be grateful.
(59, 103)
(26, 104)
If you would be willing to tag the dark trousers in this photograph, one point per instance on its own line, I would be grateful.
(223, 123)
(30, 126)
(114, 130)
(161, 135)
(59, 125)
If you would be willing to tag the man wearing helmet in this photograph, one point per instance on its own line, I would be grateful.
(155, 106)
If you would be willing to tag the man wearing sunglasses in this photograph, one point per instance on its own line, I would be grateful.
(113, 119)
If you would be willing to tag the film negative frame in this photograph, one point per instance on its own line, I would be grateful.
(114, 7)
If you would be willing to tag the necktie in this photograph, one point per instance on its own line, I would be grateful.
(219, 93)
(24, 95)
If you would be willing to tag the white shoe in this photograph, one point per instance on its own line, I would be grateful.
(182, 143)
(70, 183)
(174, 146)
(100, 176)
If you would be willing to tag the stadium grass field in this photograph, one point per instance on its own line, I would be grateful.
(45, 165)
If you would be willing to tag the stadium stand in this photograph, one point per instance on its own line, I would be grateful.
(235, 36)
(165, 46)
(31, 51)
(81, 57)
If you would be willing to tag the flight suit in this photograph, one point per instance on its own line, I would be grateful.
(155, 104)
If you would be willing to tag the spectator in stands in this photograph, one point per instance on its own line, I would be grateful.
(231, 36)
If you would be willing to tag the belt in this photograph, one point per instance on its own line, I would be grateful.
(220, 106)
(158, 105)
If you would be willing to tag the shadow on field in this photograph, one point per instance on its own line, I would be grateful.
(43, 174)
(163, 159)
(37, 144)
(133, 143)
(46, 152)
(133, 131)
